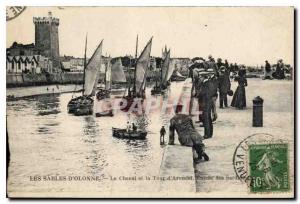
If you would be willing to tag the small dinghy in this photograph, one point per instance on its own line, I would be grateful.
(134, 135)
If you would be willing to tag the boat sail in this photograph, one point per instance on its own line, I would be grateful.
(92, 72)
(113, 73)
(168, 68)
(108, 78)
(139, 81)
(164, 75)
(83, 105)
(117, 71)
(141, 70)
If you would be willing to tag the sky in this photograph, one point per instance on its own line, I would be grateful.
(244, 35)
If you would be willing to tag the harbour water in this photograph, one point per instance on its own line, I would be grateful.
(53, 151)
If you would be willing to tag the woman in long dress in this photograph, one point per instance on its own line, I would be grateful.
(239, 97)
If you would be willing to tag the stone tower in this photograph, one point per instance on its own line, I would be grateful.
(46, 38)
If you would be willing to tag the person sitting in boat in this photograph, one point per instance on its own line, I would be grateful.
(134, 127)
(187, 134)
(128, 127)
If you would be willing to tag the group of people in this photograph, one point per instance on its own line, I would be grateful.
(277, 73)
(210, 79)
(131, 128)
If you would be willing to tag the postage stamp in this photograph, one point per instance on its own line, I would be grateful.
(269, 167)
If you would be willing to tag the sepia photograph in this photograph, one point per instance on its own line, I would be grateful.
(150, 102)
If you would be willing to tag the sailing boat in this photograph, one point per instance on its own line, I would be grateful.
(163, 83)
(139, 80)
(83, 105)
(105, 92)
(113, 73)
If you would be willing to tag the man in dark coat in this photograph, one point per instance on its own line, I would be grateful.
(224, 86)
(268, 71)
(187, 134)
(206, 90)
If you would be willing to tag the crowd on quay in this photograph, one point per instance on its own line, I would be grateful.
(211, 79)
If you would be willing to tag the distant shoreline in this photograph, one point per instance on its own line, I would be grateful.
(21, 92)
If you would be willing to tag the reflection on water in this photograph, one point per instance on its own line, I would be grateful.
(46, 140)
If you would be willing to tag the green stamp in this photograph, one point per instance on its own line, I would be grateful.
(268, 167)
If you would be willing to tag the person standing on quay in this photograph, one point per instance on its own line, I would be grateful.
(224, 86)
(239, 97)
(162, 135)
(205, 92)
(268, 71)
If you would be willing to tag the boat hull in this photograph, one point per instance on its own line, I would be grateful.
(102, 94)
(134, 135)
(81, 105)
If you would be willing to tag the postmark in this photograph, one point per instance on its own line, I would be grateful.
(261, 161)
(13, 12)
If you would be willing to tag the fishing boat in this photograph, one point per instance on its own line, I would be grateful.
(162, 84)
(104, 92)
(124, 134)
(113, 73)
(83, 105)
(137, 91)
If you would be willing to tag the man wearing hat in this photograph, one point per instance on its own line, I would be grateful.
(206, 90)
(187, 134)
(224, 86)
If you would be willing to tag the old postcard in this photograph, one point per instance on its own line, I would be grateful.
(150, 102)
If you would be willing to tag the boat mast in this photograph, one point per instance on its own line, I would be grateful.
(136, 48)
(84, 64)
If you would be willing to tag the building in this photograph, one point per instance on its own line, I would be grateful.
(18, 49)
(43, 56)
(28, 64)
(46, 38)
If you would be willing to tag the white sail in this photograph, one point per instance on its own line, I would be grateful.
(92, 72)
(170, 68)
(142, 66)
(108, 76)
(117, 72)
(165, 67)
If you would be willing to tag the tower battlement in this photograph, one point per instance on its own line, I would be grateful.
(45, 20)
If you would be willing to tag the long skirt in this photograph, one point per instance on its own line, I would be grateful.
(239, 98)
